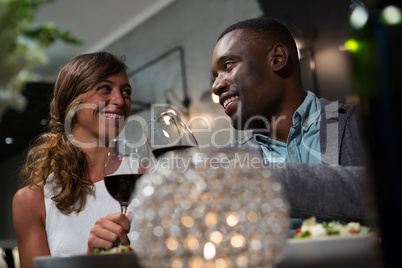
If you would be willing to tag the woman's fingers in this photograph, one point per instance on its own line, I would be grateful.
(120, 219)
(109, 231)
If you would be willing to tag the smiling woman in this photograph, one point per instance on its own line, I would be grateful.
(62, 198)
(104, 111)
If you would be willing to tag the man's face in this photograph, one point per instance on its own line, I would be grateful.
(243, 79)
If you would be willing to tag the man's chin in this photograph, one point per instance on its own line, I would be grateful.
(237, 124)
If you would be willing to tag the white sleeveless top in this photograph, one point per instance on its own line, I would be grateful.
(67, 234)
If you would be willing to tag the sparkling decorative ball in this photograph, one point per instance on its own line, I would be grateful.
(208, 209)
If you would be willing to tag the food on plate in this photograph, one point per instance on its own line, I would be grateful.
(114, 250)
(311, 229)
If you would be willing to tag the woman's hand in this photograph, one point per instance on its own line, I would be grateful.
(108, 232)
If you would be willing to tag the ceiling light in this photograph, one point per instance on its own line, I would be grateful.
(359, 17)
(9, 140)
(352, 45)
(391, 15)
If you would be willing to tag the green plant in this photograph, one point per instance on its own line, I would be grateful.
(21, 48)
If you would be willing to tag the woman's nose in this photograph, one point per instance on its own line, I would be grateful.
(116, 98)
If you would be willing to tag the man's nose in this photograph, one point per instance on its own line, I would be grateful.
(219, 85)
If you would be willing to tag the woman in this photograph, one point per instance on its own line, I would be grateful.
(64, 207)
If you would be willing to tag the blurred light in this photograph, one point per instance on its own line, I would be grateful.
(352, 45)
(209, 251)
(187, 221)
(391, 15)
(216, 237)
(9, 140)
(172, 111)
(255, 244)
(359, 17)
(238, 241)
(312, 64)
(278, 202)
(191, 242)
(196, 261)
(158, 231)
(166, 222)
(171, 243)
(232, 219)
(166, 118)
(242, 261)
(43, 122)
(223, 263)
(304, 46)
(211, 219)
(252, 216)
(215, 98)
(176, 263)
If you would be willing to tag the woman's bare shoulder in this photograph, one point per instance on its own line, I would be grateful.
(29, 200)
(29, 194)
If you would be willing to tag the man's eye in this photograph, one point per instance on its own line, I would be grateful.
(228, 64)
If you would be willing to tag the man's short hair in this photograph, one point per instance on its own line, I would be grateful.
(271, 30)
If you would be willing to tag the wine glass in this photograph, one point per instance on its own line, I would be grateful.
(126, 161)
(167, 132)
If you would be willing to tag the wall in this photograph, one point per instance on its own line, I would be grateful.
(325, 24)
(9, 185)
(195, 26)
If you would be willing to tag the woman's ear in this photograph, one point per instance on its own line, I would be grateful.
(279, 56)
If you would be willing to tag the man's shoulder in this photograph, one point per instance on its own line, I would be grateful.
(336, 107)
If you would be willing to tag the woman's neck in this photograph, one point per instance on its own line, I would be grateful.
(96, 160)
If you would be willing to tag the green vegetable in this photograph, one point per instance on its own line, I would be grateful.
(114, 250)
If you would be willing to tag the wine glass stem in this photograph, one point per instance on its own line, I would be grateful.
(124, 209)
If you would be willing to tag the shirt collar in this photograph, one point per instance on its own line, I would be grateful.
(308, 111)
(306, 114)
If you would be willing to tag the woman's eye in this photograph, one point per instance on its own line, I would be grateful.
(127, 92)
(104, 87)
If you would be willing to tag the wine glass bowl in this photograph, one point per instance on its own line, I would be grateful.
(167, 132)
(126, 161)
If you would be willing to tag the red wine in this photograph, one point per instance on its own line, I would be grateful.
(120, 187)
(160, 151)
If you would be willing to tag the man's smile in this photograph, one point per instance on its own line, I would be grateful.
(229, 100)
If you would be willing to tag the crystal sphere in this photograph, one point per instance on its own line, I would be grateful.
(206, 208)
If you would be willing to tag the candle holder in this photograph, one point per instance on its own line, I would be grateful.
(208, 209)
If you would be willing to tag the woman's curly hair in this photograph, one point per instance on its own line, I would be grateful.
(53, 152)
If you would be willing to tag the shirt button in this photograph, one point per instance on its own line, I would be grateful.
(292, 151)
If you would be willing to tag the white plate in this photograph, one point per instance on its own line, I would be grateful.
(358, 251)
(123, 260)
(355, 251)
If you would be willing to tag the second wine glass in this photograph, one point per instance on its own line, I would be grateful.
(167, 132)
(126, 161)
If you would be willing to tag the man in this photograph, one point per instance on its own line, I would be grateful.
(313, 146)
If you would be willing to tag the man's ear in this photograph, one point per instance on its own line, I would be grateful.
(279, 56)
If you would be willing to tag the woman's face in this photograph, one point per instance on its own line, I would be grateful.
(102, 114)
